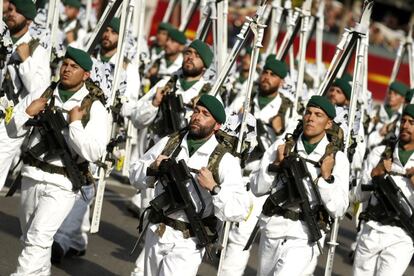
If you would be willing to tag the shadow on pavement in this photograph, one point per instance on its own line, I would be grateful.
(12, 227)
(80, 266)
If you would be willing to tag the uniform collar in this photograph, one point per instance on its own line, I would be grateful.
(206, 149)
(74, 100)
(319, 151)
(26, 38)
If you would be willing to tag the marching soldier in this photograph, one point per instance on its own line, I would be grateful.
(27, 72)
(50, 181)
(288, 240)
(170, 243)
(187, 85)
(388, 116)
(385, 245)
(173, 56)
(71, 27)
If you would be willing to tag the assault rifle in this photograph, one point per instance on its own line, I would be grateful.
(50, 124)
(172, 111)
(174, 177)
(294, 169)
(394, 205)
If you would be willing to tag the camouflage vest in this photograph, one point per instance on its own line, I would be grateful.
(95, 93)
(215, 157)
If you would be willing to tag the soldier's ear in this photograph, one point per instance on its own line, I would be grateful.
(217, 126)
(86, 75)
(329, 124)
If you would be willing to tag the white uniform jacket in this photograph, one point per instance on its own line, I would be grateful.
(375, 138)
(86, 143)
(145, 112)
(174, 67)
(334, 196)
(32, 75)
(231, 203)
(402, 182)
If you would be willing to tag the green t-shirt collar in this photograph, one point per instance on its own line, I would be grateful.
(194, 144)
(309, 148)
(265, 100)
(404, 155)
(187, 84)
(65, 94)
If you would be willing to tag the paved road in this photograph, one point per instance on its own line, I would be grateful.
(108, 251)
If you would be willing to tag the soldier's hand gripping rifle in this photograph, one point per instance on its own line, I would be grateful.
(395, 206)
(257, 28)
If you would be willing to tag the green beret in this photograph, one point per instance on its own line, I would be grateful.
(347, 77)
(344, 86)
(115, 23)
(177, 36)
(164, 26)
(80, 57)
(204, 51)
(399, 88)
(276, 66)
(73, 3)
(409, 110)
(409, 95)
(322, 103)
(25, 7)
(249, 51)
(214, 106)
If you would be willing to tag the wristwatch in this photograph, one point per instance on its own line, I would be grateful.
(330, 179)
(216, 189)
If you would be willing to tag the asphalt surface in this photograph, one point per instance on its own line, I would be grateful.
(108, 250)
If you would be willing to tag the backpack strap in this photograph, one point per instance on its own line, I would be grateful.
(33, 44)
(173, 142)
(95, 94)
(214, 160)
(284, 106)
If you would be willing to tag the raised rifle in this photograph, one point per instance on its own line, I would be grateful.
(395, 206)
(50, 124)
(174, 177)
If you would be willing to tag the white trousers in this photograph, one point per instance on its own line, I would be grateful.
(235, 261)
(44, 206)
(73, 233)
(176, 257)
(379, 253)
(285, 256)
(9, 148)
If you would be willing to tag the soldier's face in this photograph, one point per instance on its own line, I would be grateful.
(193, 65)
(109, 39)
(269, 82)
(15, 21)
(407, 129)
(173, 47)
(315, 122)
(337, 97)
(162, 37)
(202, 123)
(394, 99)
(71, 74)
(71, 12)
(245, 62)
